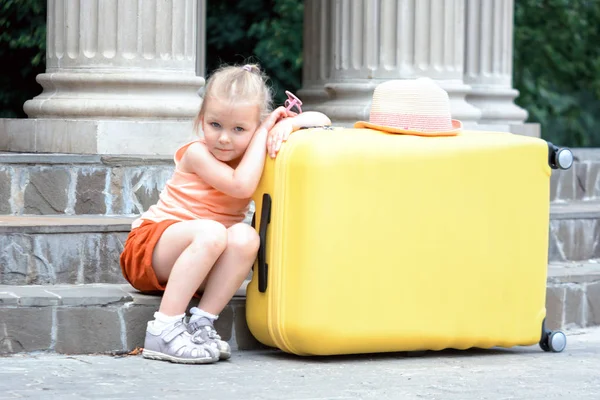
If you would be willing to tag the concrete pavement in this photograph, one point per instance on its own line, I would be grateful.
(519, 373)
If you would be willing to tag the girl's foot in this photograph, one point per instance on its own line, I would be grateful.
(204, 332)
(175, 344)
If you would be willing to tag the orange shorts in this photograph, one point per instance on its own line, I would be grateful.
(136, 259)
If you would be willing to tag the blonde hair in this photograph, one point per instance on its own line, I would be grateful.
(245, 84)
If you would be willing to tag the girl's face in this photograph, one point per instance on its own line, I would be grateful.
(229, 128)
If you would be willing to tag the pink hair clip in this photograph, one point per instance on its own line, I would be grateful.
(247, 68)
(292, 101)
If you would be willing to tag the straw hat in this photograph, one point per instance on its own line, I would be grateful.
(411, 106)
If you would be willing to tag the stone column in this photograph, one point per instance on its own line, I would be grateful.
(201, 40)
(119, 58)
(317, 54)
(120, 78)
(489, 61)
(377, 40)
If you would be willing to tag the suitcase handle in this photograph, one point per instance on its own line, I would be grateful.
(263, 267)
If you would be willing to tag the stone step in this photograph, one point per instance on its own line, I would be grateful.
(573, 294)
(95, 318)
(47, 250)
(111, 318)
(581, 182)
(61, 249)
(48, 184)
(574, 231)
(39, 184)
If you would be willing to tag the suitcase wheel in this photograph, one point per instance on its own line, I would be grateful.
(559, 158)
(554, 341)
(557, 341)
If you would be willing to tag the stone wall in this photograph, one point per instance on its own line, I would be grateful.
(573, 295)
(575, 196)
(581, 182)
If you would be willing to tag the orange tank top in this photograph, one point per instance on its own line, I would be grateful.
(187, 197)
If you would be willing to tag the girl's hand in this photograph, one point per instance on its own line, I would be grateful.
(279, 134)
(273, 118)
(282, 130)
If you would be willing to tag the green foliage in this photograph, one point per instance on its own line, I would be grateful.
(22, 53)
(262, 31)
(557, 68)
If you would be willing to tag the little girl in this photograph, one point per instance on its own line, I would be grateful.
(194, 239)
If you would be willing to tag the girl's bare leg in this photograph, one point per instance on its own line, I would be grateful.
(183, 257)
(231, 268)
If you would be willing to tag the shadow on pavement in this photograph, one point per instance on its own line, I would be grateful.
(441, 354)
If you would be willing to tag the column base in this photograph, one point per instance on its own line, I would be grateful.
(146, 137)
(496, 104)
(459, 107)
(532, 129)
(347, 103)
(312, 95)
(351, 102)
(128, 94)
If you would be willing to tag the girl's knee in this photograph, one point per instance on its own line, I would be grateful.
(210, 236)
(243, 238)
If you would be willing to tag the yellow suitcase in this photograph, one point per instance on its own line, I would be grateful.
(376, 242)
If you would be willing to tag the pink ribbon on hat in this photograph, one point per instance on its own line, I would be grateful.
(421, 123)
